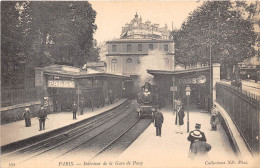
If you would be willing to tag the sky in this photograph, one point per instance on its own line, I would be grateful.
(113, 15)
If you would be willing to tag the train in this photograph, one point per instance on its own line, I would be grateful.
(147, 99)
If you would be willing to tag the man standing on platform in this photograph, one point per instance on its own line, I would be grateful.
(74, 110)
(42, 115)
(158, 120)
(179, 119)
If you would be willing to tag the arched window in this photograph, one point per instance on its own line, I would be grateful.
(113, 48)
(150, 46)
(129, 48)
(166, 63)
(140, 47)
(113, 65)
(128, 64)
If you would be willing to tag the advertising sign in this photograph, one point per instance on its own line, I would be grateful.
(61, 83)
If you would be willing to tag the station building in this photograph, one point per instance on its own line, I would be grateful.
(138, 40)
(61, 85)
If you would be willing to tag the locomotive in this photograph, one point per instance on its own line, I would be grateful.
(148, 100)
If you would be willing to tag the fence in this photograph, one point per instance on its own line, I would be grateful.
(243, 110)
(17, 96)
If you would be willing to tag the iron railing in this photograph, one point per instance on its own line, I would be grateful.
(244, 111)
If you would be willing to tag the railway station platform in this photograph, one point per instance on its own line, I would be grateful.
(171, 149)
(16, 131)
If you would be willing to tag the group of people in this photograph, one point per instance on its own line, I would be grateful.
(42, 116)
(198, 145)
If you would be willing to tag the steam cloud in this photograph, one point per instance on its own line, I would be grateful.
(155, 60)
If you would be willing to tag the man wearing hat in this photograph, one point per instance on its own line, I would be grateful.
(179, 119)
(196, 134)
(158, 120)
(42, 115)
(74, 110)
(27, 117)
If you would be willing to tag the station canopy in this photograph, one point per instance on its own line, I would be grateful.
(74, 72)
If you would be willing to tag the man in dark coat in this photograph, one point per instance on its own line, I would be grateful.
(27, 117)
(42, 115)
(199, 149)
(192, 136)
(74, 110)
(158, 120)
(179, 119)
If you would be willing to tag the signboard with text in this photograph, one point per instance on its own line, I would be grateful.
(198, 80)
(61, 83)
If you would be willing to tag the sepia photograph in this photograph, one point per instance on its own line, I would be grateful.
(130, 84)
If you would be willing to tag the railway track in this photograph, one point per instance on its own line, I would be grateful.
(123, 141)
(120, 136)
(51, 143)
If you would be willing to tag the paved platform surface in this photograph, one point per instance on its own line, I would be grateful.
(17, 131)
(171, 149)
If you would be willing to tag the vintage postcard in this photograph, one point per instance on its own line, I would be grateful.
(130, 84)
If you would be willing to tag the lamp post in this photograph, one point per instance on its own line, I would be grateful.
(188, 90)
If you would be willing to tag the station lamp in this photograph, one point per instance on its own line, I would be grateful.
(188, 90)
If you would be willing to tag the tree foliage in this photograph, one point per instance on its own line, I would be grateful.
(47, 32)
(222, 27)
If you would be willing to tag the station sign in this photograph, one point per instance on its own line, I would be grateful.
(61, 83)
(198, 80)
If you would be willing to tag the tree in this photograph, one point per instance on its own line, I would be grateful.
(11, 45)
(39, 33)
(224, 26)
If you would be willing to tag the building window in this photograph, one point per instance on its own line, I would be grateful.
(138, 62)
(129, 48)
(114, 65)
(165, 47)
(128, 64)
(166, 63)
(150, 46)
(113, 48)
(140, 47)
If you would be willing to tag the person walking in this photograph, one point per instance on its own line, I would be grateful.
(199, 149)
(74, 110)
(27, 117)
(158, 120)
(42, 115)
(192, 135)
(179, 119)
